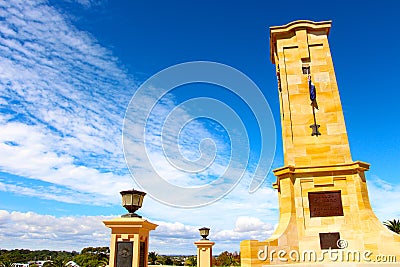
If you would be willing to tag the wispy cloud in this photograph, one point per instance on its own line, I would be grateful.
(88, 3)
(49, 192)
(58, 88)
(63, 98)
(383, 195)
(56, 76)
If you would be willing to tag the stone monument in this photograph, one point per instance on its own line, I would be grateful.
(204, 249)
(323, 198)
(130, 234)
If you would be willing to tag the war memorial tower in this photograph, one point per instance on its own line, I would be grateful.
(323, 198)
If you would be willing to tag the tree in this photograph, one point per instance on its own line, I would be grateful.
(57, 262)
(93, 257)
(6, 263)
(153, 257)
(86, 260)
(25, 255)
(103, 262)
(393, 225)
(165, 260)
(228, 259)
(191, 261)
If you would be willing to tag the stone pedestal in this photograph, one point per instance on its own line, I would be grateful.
(129, 241)
(204, 253)
(318, 207)
(323, 197)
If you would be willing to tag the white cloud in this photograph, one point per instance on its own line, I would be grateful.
(383, 197)
(31, 230)
(65, 97)
(36, 231)
(88, 3)
(63, 121)
(30, 156)
(248, 224)
(59, 77)
(50, 193)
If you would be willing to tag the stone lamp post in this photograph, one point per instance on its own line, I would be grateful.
(204, 232)
(204, 249)
(130, 233)
(132, 200)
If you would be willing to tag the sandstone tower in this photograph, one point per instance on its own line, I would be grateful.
(323, 197)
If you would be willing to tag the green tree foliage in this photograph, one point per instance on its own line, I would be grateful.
(227, 259)
(165, 260)
(6, 263)
(191, 261)
(177, 261)
(104, 262)
(152, 257)
(25, 255)
(93, 257)
(393, 225)
(89, 257)
(57, 262)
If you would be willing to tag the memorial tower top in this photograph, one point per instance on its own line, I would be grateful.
(313, 127)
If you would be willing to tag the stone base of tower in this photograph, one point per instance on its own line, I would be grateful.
(318, 206)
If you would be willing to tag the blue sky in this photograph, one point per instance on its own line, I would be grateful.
(68, 70)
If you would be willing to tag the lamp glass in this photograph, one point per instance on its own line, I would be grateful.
(132, 200)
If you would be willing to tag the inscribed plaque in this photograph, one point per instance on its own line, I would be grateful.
(325, 204)
(329, 240)
(124, 254)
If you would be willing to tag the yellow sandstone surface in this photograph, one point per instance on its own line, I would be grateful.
(320, 163)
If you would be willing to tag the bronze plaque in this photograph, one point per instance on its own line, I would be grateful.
(329, 240)
(325, 204)
(124, 254)
(142, 254)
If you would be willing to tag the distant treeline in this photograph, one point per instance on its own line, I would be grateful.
(25, 255)
(90, 256)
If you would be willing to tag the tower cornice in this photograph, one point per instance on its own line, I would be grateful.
(277, 32)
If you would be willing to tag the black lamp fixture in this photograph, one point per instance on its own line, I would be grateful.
(132, 200)
(204, 232)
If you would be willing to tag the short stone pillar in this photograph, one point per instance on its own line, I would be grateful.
(129, 241)
(204, 253)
